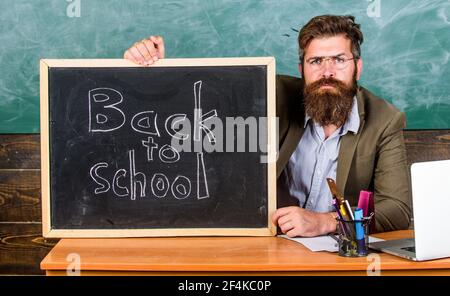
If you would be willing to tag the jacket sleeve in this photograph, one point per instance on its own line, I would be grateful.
(391, 180)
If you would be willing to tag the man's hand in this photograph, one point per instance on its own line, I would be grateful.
(147, 51)
(295, 221)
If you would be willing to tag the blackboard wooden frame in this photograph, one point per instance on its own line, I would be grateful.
(50, 231)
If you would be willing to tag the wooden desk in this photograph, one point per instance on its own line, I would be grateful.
(222, 256)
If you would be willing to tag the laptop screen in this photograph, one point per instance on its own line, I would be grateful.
(430, 182)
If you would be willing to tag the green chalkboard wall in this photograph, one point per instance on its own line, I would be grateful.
(406, 50)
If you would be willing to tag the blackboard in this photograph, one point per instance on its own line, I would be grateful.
(167, 150)
(405, 50)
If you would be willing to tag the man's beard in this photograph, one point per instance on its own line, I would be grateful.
(329, 106)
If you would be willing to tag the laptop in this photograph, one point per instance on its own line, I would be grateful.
(430, 182)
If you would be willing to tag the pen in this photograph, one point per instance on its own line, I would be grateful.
(334, 191)
(335, 205)
(344, 208)
(341, 224)
(350, 231)
(349, 210)
(343, 212)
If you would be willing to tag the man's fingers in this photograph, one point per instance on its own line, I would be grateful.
(136, 55)
(279, 213)
(284, 219)
(127, 55)
(142, 48)
(276, 216)
(132, 56)
(285, 227)
(151, 49)
(146, 51)
(159, 45)
(292, 233)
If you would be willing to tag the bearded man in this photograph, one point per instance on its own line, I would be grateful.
(330, 127)
(344, 132)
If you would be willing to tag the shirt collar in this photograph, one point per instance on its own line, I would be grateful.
(352, 123)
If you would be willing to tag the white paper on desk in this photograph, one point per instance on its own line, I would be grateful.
(322, 243)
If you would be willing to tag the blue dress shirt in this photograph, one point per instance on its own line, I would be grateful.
(314, 160)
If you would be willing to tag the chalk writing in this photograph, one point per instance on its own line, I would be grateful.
(106, 116)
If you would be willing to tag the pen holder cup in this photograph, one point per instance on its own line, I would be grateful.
(353, 237)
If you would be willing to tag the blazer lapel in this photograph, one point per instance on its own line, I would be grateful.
(348, 147)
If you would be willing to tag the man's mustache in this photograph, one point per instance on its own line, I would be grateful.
(327, 81)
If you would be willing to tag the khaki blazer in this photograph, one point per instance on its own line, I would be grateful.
(373, 159)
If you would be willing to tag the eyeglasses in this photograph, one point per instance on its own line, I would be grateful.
(338, 62)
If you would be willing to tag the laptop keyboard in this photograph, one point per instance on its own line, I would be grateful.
(410, 249)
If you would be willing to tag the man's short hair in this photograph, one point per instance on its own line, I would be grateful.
(328, 26)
